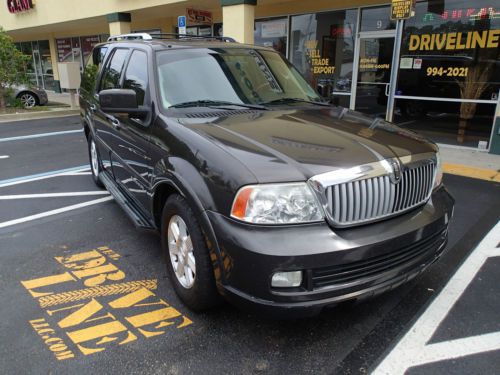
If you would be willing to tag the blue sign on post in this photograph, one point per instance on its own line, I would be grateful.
(181, 24)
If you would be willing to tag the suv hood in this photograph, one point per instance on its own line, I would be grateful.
(296, 144)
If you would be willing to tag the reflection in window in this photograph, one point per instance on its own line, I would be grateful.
(450, 49)
(231, 75)
(111, 78)
(272, 33)
(322, 48)
(136, 75)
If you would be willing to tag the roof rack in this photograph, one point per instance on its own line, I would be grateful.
(169, 36)
(131, 36)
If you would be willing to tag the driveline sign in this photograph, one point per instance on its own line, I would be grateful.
(402, 9)
(19, 6)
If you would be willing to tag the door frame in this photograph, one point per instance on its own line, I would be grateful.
(355, 66)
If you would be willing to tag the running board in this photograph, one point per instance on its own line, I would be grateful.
(137, 217)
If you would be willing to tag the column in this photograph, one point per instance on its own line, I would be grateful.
(119, 23)
(55, 61)
(238, 17)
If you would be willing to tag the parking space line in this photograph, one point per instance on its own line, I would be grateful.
(41, 135)
(42, 176)
(53, 212)
(53, 195)
(412, 350)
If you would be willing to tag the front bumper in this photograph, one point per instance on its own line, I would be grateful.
(337, 264)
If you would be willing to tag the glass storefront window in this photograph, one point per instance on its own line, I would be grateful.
(450, 49)
(443, 123)
(322, 49)
(272, 33)
(377, 19)
(40, 71)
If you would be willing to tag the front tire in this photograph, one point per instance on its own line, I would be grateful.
(28, 99)
(95, 162)
(188, 262)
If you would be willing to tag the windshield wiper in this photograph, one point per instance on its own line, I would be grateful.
(215, 103)
(294, 100)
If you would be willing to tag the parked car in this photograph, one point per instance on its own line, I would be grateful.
(30, 96)
(261, 193)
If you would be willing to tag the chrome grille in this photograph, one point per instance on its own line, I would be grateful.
(370, 199)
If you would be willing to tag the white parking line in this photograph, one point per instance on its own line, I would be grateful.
(53, 195)
(42, 176)
(41, 135)
(412, 350)
(4, 156)
(53, 212)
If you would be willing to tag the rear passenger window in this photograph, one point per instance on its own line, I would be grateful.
(113, 70)
(136, 75)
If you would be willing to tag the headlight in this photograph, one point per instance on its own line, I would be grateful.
(276, 204)
(439, 171)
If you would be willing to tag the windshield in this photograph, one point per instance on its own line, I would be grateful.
(233, 75)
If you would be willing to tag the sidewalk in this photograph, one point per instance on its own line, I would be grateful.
(470, 163)
(63, 98)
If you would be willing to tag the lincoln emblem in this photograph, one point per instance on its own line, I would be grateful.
(395, 175)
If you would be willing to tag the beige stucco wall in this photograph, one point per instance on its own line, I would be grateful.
(52, 19)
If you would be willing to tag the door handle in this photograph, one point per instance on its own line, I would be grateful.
(114, 122)
(387, 89)
(93, 107)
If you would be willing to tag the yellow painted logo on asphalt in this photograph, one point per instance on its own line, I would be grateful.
(90, 306)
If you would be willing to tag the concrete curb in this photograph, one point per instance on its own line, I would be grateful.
(38, 115)
(472, 172)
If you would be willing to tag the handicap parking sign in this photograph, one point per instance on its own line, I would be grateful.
(181, 21)
(181, 24)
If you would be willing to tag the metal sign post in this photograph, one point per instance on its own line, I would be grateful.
(394, 71)
(495, 131)
(400, 11)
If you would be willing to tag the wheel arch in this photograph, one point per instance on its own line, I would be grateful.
(162, 190)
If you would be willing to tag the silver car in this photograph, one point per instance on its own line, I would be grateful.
(30, 96)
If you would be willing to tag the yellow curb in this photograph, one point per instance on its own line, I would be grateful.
(463, 170)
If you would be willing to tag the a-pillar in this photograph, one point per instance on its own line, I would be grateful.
(119, 23)
(238, 17)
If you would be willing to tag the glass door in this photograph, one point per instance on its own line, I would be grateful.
(374, 63)
(38, 68)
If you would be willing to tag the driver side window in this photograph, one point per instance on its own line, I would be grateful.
(113, 70)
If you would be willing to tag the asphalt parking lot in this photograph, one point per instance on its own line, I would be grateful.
(82, 290)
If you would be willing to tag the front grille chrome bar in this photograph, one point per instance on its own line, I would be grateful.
(375, 191)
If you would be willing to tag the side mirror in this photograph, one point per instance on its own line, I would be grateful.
(119, 101)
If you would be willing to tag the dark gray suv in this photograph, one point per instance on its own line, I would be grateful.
(261, 192)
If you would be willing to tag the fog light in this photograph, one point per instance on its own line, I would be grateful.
(286, 279)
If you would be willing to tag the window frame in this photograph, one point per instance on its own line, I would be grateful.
(147, 94)
(109, 58)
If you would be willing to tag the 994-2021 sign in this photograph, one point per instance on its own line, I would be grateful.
(402, 9)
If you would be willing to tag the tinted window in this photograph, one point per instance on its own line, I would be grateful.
(136, 75)
(236, 75)
(92, 68)
(112, 72)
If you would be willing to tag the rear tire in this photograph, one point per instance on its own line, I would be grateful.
(95, 162)
(188, 262)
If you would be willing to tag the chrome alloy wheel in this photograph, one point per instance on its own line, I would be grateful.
(180, 249)
(28, 100)
(93, 158)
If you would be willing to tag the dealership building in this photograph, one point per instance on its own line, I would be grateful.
(431, 66)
